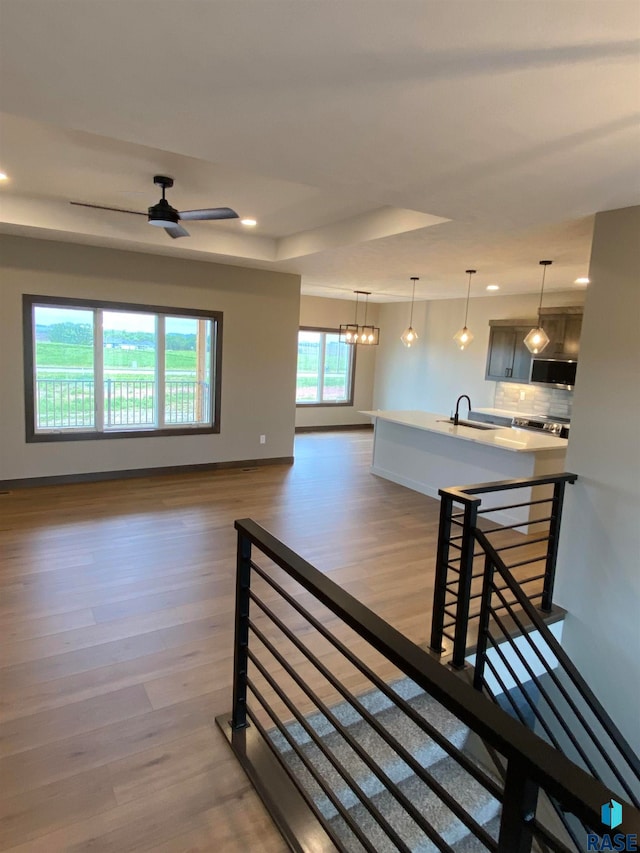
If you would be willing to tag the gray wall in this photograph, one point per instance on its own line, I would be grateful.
(434, 372)
(330, 313)
(599, 562)
(261, 311)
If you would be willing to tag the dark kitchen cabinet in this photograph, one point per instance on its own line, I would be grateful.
(508, 359)
(563, 325)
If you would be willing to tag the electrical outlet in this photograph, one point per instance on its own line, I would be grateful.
(523, 395)
(263, 439)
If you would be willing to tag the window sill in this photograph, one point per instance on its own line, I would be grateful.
(40, 437)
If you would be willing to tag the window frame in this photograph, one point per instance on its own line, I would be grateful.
(352, 377)
(28, 335)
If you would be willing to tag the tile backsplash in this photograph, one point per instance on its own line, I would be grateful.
(537, 401)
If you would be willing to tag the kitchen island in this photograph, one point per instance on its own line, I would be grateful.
(426, 452)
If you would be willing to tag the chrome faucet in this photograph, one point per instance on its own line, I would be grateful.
(461, 397)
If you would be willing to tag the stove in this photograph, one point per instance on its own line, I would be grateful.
(554, 426)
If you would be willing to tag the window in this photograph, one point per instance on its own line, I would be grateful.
(325, 369)
(105, 370)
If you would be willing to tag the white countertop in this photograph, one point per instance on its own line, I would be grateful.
(503, 438)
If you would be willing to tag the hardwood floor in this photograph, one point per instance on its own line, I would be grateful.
(116, 616)
(117, 627)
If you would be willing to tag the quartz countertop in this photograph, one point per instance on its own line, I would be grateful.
(503, 438)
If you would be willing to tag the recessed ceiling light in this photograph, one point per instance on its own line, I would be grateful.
(4, 176)
(582, 280)
(250, 223)
(493, 287)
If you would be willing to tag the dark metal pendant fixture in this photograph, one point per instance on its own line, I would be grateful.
(365, 334)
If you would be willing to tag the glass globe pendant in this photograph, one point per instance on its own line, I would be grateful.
(537, 339)
(410, 336)
(464, 336)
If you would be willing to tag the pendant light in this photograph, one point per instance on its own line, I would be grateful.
(349, 331)
(463, 336)
(537, 339)
(367, 335)
(410, 336)
(353, 333)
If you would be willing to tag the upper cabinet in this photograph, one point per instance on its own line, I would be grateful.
(563, 325)
(508, 359)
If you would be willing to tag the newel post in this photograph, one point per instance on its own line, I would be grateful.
(241, 641)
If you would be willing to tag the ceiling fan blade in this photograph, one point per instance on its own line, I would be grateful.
(209, 213)
(104, 207)
(177, 231)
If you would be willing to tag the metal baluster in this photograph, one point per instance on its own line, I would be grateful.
(552, 548)
(483, 627)
(440, 585)
(464, 586)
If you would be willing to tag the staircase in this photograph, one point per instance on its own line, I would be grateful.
(424, 763)
(473, 799)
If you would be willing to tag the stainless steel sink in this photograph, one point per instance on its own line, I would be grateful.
(471, 424)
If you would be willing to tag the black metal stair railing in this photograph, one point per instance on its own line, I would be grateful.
(459, 573)
(520, 665)
(300, 639)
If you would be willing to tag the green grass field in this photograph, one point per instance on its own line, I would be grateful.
(69, 357)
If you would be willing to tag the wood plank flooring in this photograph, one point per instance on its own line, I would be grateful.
(116, 614)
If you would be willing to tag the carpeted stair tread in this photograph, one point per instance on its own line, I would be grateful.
(475, 800)
(417, 743)
(471, 844)
(373, 701)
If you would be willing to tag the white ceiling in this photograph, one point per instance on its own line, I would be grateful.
(372, 140)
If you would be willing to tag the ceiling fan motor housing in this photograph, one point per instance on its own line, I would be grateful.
(162, 214)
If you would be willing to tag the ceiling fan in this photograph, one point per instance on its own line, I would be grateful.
(164, 215)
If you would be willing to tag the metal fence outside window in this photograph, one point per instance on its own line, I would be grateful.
(70, 403)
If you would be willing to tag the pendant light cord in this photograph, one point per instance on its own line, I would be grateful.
(466, 310)
(544, 265)
(413, 296)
